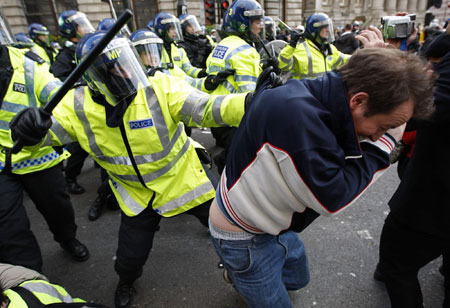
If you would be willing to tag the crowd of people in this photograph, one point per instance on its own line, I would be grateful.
(307, 121)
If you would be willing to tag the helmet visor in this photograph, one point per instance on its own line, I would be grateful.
(326, 31)
(117, 72)
(191, 25)
(81, 24)
(269, 29)
(173, 29)
(149, 50)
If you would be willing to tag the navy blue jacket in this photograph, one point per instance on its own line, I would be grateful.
(296, 155)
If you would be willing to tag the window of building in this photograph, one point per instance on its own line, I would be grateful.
(45, 12)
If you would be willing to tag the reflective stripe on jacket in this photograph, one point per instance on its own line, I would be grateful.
(31, 85)
(307, 61)
(198, 83)
(169, 171)
(46, 292)
(234, 53)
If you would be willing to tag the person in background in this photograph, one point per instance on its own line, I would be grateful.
(73, 25)
(196, 45)
(40, 36)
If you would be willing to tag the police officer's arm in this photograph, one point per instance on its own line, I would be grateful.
(186, 65)
(196, 108)
(65, 121)
(286, 59)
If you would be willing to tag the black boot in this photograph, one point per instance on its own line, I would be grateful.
(73, 187)
(76, 249)
(124, 294)
(95, 211)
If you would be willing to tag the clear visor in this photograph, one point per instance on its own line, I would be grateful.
(81, 24)
(326, 31)
(5, 33)
(117, 73)
(192, 26)
(173, 29)
(149, 51)
(269, 29)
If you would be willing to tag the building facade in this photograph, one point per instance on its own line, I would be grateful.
(20, 13)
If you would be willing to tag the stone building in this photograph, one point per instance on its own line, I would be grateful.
(20, 13)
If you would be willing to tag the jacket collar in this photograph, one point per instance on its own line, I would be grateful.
(331, 91)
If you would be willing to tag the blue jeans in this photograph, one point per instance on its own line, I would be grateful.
(265, 267)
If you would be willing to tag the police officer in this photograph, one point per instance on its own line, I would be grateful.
(269, 28)
(314, 55)
(40, 36)
(21, 287)
(26, 83)
(196, 44)
(161, 177)
(149, 47)
(168, 29)
(243, 22)
(72, 26)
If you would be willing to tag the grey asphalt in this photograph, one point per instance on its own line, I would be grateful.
(182, 268)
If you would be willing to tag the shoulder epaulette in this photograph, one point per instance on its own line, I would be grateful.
(31, 55)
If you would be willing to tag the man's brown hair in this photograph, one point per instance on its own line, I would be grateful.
(390, 77)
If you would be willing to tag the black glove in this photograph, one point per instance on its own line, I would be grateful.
(267, 80)
(295, 37)
(152, 71)
(30, 126)
(213, 81)
(202, 73)
(273, 61)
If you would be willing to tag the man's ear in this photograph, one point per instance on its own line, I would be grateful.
(358, 100)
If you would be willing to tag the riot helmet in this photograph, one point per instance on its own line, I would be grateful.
(319, 28)
(23, 41)
(244, 18)
(39, 34)
(117, 73)
(190, 25)
(269, 28)
(73, 24)
(105, 24)
(148, 46)
(168, 27)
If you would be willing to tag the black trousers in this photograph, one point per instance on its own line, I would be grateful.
(403, 251)
(136, 239)
(46, 189)
(75, 161)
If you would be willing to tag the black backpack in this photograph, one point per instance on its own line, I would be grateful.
(33, 302)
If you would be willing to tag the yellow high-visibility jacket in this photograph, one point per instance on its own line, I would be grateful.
(149, 158)
(307, 61)
(31, 85)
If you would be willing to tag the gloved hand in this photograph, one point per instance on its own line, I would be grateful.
(267, 80)
(213, 81)
(202, 73)
(30, 126)
(152, 71)
(295, 37)
(273, 61)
